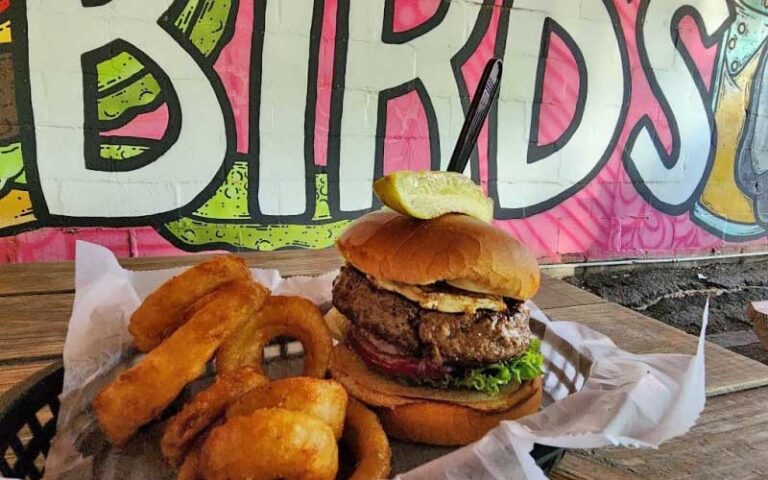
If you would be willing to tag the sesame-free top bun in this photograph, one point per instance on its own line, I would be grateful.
(460, 250)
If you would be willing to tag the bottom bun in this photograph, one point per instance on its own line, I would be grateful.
(446, 424)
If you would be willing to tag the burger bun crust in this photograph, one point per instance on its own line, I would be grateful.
(457, 249)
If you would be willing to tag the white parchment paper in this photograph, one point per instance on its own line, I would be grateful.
(596, 395)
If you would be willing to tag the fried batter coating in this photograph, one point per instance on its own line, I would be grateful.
(281, 316)
(365, 437)
(163, 311)
(324, 399)
(207, 406)
(190, 467)
(142, 392)
(268, 444)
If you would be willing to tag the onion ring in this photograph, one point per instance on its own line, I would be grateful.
(324, 399)
(270, 443)
(207, 406)
(142, 392)
(163, 311)
(280, 316)
(190, 467)
(338, 324)
(365, 437)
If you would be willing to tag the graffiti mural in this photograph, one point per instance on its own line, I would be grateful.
(624, 128)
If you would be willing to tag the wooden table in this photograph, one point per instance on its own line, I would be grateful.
(729, 442)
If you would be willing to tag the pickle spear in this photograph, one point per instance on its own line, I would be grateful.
(428, 194)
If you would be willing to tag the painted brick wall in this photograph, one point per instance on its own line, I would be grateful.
(624, 128)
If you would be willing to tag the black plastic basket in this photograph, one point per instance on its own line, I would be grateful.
(28, 414)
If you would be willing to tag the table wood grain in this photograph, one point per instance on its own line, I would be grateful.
(12, 374)
(726, 371)
(728, 443)
(36, 301)
(33, 326)
(59, 277)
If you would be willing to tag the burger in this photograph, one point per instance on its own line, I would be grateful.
(434, 328)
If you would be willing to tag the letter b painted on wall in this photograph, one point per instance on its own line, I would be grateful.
(64, 38)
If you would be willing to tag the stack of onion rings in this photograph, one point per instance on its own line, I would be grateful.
(167, 308)
(243, 425)
(280, 316)
(141, 393)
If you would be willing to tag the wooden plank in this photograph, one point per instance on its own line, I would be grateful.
(12, 374)
(556, 293)
(289, 262)
(728, 442)
(33, 326)
(738, 338)
(59, 277)
(36, 325)
(726, 371)
(758, 313)
(41, 316)
(26, 278)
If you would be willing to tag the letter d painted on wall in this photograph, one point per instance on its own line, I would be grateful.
(59, 33)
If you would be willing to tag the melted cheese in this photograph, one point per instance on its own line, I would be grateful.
(433, 298)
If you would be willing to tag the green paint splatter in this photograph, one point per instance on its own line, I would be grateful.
(121, 152)
(117, 69)
(205, 34)
(230, 202)
(211, 26)
(185, 17)
(322, 209)
(142, 92)
(11, 164)
(254, 236)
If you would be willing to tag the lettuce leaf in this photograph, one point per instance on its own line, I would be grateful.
(491, 378)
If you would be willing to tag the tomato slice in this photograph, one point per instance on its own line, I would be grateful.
(386, 357)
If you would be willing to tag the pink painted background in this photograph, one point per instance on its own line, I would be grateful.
(607, 219)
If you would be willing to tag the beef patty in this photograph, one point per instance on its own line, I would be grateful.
(483, 337)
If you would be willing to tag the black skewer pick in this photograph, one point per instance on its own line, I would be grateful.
(478, 111)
